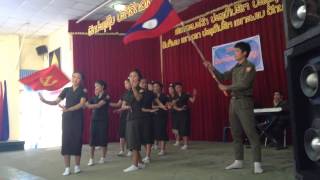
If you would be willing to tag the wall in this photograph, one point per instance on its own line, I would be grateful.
(62, 39)
(9, 71)
(29, 59)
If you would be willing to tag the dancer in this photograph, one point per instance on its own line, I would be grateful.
(241, 115)
(123, 118)
(99, 121)
(160, 118)
(183, 112)
(72, 121)
(133, 130)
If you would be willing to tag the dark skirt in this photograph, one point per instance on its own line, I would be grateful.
(160, 127)
(184, 123)
(123, 124)
(99, 133)
(175, 120)
(133, 135)
(147, 131)
(72, 128)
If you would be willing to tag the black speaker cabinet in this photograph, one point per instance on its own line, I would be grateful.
(302, 19)
(41, 50)
(303, 71)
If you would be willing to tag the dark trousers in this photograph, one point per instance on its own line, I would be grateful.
(241, 119)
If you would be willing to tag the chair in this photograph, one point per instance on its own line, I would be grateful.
(284, 139)
(225, 133)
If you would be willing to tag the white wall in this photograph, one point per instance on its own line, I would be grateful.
(9, 71)
(63, 40)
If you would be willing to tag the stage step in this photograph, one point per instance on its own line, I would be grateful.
(11, 146)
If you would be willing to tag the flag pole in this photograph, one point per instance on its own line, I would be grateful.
(203, 59)
(161, 60)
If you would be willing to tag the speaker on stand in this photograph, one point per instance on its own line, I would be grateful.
(41, 50)
(302, 55)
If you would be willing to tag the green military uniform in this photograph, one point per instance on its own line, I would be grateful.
(241, 115)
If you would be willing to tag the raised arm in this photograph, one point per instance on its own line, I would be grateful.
(116, 105)
(124, 107)
(216, 74)
(53, 103)
(95, 106)
(192, 99)
(138, 96)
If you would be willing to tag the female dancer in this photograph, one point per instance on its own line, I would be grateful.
(183, 112)
(160, 118)
(133, 134)
(72, 121)
(99, 124)
(123, 118)
(175, 123)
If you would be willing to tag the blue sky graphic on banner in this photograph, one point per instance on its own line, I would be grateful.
(223, 55)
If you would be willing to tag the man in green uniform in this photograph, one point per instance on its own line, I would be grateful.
(241, 115)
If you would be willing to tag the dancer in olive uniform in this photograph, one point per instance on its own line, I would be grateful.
(72, 121)
(241, 106)
(183, 112)
(160, 118)
(99, 121)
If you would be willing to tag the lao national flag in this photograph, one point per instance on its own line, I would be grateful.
(50, 79)
(158, 19)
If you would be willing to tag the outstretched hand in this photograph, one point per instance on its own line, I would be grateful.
(41, 97)
(64, 109)
(194, 92)
(207, 64)
(223, 87)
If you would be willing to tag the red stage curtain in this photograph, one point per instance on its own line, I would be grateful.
(106, 58)
(210, 112)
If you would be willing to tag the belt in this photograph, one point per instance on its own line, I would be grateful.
(240, 97)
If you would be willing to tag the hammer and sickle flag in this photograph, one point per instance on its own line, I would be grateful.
(50, 79)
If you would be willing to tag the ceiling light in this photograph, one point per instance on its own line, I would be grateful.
(119, 7)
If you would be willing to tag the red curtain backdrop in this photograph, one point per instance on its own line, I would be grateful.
(210, 112)
(105, 57)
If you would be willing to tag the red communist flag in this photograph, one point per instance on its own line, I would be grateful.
(50, 79)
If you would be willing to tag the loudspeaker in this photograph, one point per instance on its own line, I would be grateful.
(303, 72)
(41, 50)
(302, 18)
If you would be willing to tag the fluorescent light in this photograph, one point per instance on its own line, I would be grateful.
(119, 7)
(92, 11)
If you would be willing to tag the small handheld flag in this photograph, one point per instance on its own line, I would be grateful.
(50, 79)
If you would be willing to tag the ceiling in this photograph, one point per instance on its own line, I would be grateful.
(36, 18)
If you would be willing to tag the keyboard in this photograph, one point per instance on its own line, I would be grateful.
(268, 110)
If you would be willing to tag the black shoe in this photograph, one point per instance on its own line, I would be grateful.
(273, 145)
(280, 148)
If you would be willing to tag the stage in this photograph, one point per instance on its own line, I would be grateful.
(6, 146)
(203, 161)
